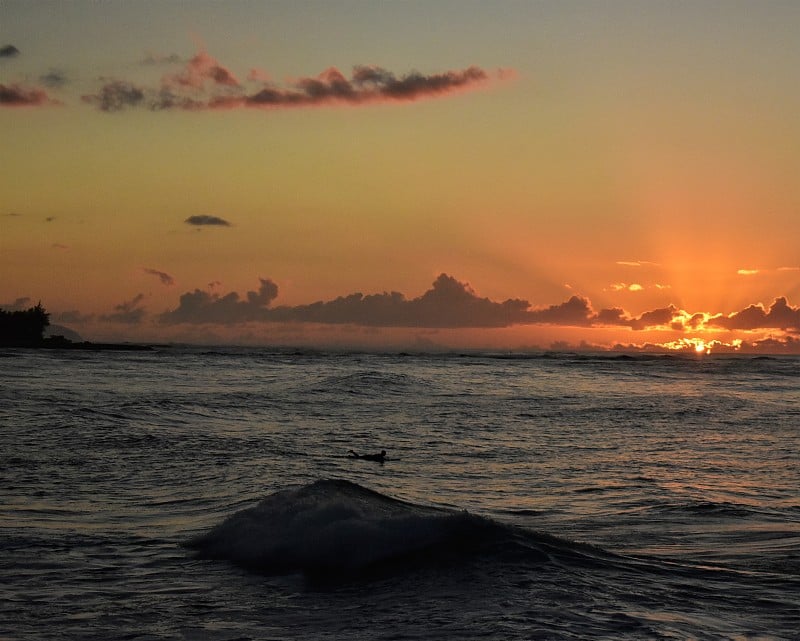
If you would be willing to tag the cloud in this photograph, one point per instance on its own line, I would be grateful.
(9, 51)
(204, 220)
(365, 85)
(780, 315)
(449, 303)
(116, 95)
(128, 312)
(165, 278)
(636, 263)
(151, 58)
(204, 307)
(747, 272)
(54, 79)
(19, 96)
(204, 83)
(577, 311)
(20, 303)
(200, 70)
(74, 316)
(632, 287)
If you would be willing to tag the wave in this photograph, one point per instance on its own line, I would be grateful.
(336, 528)
(369, 382)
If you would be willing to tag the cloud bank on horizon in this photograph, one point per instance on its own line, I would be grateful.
(452, 304)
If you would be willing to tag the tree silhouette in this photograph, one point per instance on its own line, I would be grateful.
(23, 328)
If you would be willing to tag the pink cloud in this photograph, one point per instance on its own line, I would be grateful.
(19, 96)
(204, 83)
(200, 69)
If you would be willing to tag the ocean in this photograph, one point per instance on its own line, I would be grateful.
(208, 494)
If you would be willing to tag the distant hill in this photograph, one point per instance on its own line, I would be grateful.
(66, 332)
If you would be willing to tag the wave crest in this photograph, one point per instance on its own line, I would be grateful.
(336, 527)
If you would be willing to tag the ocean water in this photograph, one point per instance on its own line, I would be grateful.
(189, 493)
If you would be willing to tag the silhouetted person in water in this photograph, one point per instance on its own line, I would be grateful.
(378, 458)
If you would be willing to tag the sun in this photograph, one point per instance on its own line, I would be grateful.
(700, 347)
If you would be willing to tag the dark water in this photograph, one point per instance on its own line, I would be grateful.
(206, 494)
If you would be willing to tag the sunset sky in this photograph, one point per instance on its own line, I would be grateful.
(404, 174)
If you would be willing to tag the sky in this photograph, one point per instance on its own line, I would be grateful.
(405, 175)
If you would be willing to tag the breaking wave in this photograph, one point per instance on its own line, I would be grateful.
(337, 528)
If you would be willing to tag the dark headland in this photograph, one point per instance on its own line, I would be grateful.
(26, 328)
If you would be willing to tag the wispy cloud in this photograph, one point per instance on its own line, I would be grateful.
(128, 312)
(151, 58)
(200, 71)
(116, 95)
(55, 79)
(165, 278)
(205, 83)
(636, 263)
(632, 287)
(205, 220)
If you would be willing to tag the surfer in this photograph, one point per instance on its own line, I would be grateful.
(378, 458)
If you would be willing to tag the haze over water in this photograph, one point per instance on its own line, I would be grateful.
(207, 494)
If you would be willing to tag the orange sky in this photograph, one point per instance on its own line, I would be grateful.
(642, 158)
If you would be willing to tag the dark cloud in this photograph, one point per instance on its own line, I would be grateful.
(576, 312)
(165, 278)
(780, 315)
(366, 85)
(116, 95)
(9, 51)
(449, 303)
(656, 318)
(19, 96)
(202, 220)
(204, 83)
(128, 312)
(204, 307)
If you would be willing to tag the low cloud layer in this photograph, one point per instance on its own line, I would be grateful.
(204, 83)
(453, 304)
(127, 313)
(204, 307)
